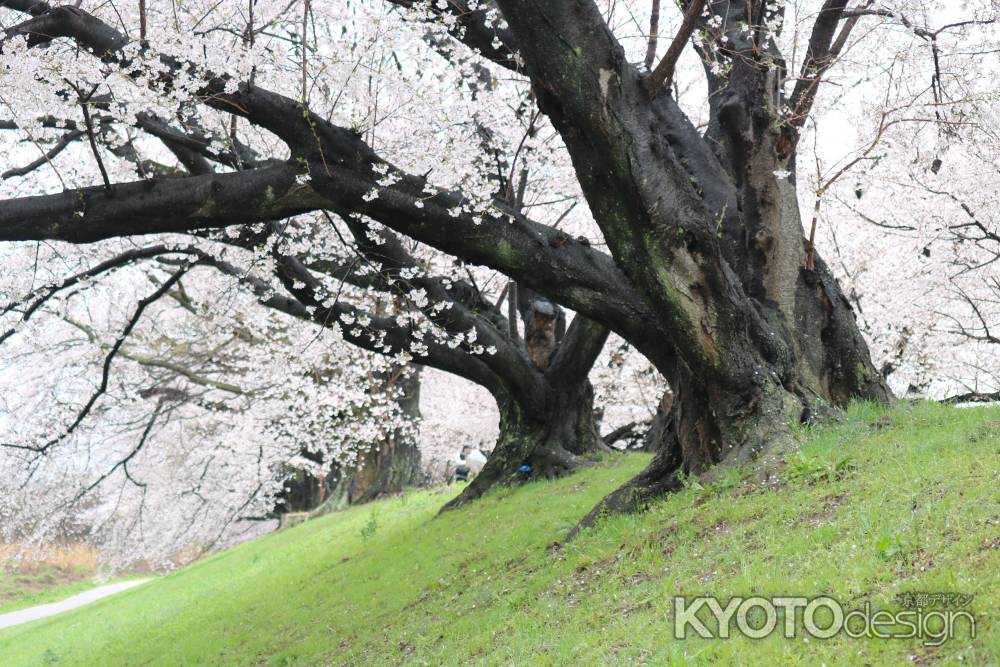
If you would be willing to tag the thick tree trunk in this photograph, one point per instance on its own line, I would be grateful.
(552, 440)
(712, 426)
(752, 337)
(547, 431)
(710, 278)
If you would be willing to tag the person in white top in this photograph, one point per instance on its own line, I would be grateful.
(467, 464)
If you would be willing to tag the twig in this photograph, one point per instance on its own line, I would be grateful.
(93, 140)
(63, 142)
(41, 295)
(123, 464)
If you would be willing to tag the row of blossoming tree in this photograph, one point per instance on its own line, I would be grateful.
(234, 231)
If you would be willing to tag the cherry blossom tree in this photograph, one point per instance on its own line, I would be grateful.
(186, 442)
(904, 203)
(544, 397)
(538, 404)
(426, 122)
(537, 373)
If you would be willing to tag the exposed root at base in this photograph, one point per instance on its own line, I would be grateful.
(546, 463)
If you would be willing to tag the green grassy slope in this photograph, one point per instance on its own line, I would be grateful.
(863, 514)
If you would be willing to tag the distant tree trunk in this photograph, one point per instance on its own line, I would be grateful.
(302, 492)
(393, 463)
(387, 467)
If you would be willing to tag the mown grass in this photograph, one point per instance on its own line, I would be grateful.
(882, 504)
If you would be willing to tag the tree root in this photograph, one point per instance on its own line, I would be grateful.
(547, 462)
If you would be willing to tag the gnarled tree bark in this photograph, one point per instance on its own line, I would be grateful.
(709, 229)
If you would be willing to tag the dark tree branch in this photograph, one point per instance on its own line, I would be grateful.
(197, 143)
(470, 27)
(89, 124)
(654, 29)
(159, 205)
(393, 258)
(663, 75)
(973, 397)
(64, 141)
(630, 431)
(825, 46)
(33, 7)
(67, 21)
(381, 334)
(189, 151)
(987, 335)
(468, 309)
(512, 310)
(578, 351)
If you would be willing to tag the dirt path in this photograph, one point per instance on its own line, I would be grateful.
(44, 610)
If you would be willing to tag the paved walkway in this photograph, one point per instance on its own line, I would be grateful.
(44, 610)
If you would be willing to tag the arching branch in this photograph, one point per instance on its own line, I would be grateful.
(156, 362)
(380, 334)
(341, 167)
(466, 310)
(39, 296)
